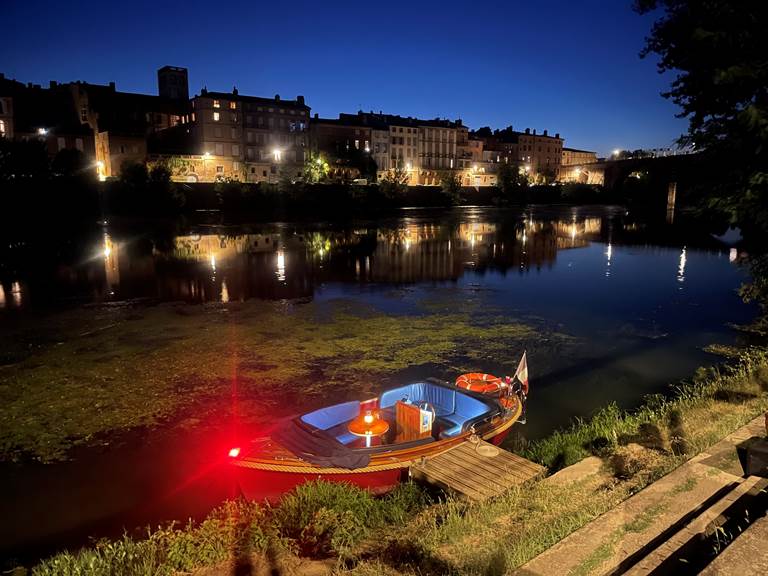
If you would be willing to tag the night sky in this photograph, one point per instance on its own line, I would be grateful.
(570, 67)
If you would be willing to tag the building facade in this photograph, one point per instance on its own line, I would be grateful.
(571, 156)
(540, 154)
(249, 138)
(6, 117)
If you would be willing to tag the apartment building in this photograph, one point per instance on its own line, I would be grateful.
(6, 117)
(250, 138)
(572, 156)
(540, 154)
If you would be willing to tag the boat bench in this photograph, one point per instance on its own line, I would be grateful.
(456, 412)
(334, 419)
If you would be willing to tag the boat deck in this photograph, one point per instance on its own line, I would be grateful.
(476, 471)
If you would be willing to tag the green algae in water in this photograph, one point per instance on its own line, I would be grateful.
(99, 371)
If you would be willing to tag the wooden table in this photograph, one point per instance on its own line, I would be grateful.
(368, 430)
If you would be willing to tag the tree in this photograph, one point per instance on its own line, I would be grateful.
(395, 183)
(511, 182)
(719, 52)
(450, 182)
(70, 162)
(315, 169)
(23, 159)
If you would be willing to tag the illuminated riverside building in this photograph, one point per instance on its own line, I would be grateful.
(540, 153)
(225, 135)
(6, 117)
(423, 149)
(575, 166)
(246, 138)
(107, 126)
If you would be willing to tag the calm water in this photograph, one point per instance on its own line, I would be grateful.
(636, 302)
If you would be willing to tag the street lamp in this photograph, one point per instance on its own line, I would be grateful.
(617, 152)
(42, 131)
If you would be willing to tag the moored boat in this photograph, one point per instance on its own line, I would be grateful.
(373, 443)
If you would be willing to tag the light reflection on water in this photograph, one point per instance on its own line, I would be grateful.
(613, 284)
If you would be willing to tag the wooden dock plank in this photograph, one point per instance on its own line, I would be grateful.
(465, 471)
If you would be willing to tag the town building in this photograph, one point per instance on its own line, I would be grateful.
(110, 128)
(345, 143)
(46, 114)
(540, 154)
(6, 117)
(571, 156)
(571, 166)
(248, 138)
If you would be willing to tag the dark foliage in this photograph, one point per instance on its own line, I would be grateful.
(719, 50)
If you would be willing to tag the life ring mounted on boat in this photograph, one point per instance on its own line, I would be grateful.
(478, 382)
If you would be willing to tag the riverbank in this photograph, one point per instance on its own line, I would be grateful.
(408, 532)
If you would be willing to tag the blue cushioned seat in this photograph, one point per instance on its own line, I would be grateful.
(455, 410)
(442, 398)
(330, 416)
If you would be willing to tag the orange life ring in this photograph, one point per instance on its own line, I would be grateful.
(477, 382)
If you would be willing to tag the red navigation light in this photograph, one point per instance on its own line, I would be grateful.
(234, 452)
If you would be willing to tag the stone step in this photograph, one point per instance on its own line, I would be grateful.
(621, 537)
(703, 525)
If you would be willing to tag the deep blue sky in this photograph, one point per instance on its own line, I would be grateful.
(571, 67)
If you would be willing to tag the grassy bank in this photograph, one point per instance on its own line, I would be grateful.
(407, 533)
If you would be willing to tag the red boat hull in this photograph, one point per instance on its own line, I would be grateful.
(260, 485)
(267, 485)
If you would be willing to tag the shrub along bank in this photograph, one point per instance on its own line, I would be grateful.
(407, 532)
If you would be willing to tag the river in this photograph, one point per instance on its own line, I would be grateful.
(620, 308)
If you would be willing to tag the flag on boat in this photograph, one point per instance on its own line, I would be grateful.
(522, 373)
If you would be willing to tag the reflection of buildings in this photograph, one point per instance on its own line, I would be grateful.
(576, 234)
(279, 262)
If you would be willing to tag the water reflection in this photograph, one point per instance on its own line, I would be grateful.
(681, 268)
(283, 261)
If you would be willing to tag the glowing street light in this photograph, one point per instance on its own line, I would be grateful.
(42, 131)
(207, 156)
(617, 152)
(278, 154)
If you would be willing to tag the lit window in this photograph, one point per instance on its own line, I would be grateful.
(357, 144)
(193, 116)
(2, 127)
(216, 104)
(233, 105)
(215, 116)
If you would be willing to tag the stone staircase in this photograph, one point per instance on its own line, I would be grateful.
(676, 525)
(691, 548)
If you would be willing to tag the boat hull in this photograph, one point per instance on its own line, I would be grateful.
(261, 483)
